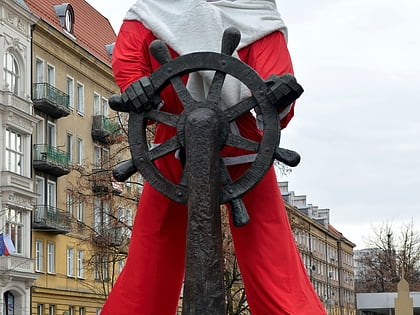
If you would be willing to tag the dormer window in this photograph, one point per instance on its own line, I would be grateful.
(65, 14)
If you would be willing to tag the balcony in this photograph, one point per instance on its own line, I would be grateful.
(51, 160)
(103, 183)
(105, 237)
(50, 100)
(51, 219)
(104, 129)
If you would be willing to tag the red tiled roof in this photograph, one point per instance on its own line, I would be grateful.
(92, 30)
(334, 230)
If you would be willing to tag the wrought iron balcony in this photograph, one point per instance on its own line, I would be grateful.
(104, 129)
(50, 100)
(51, 160)
(51, 219)
(108, 236)
(104, 183)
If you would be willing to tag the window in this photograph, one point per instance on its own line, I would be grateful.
(51, 75)
(105, 107)
(69, 204)
(70, 91)
(82, 311)
(40, 309)
(15, 227)
(70, 146)
(40, 190)
(51, 310)
(80, 267)
(101, 271)
(79, 151)
(96, 108)
(39, 133)
(51, 258)
(52, 194)
(79, 210)
(80, 98)
(71, 310)
(39, 76)
(14, 152)
(101, 214)
(70, 262)
(100, 157)
(9, 303)
(51, 131)
(11, 72)
(38, 255)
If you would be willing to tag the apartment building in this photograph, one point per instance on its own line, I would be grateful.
(82, 217)
(326, 253)
(17, 124)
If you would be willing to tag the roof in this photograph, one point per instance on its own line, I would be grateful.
(92, 31)
(22, 4)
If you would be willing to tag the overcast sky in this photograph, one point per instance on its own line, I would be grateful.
(357, 125)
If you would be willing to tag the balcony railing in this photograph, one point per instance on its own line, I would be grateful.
(50, 100)
(51, 219)
(103, 182)
(51, 160)
(104, 129)
(107, 236)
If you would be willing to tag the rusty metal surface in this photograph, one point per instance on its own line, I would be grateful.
(203, 285)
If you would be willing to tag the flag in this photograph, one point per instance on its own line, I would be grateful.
(8, 244)
(1, 245)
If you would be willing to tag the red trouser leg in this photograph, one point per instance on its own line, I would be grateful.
(151, 280)
(275, 279)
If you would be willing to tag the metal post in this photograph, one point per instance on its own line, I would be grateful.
(204, 291)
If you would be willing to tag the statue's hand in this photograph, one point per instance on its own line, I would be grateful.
(140, 96)
(283, 90)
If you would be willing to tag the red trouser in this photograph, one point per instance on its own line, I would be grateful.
(275, 279)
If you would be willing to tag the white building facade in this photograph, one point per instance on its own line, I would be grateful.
(17, 123)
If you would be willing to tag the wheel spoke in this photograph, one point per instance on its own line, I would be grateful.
(182, 92)
(165, 148)
(242, 143)
(240, 108)
(166, 118)
(225, 178)
(216, 87)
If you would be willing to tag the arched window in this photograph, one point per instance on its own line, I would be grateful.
(9, 303)
(11, 72)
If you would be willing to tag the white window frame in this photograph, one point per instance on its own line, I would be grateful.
(70, 91)
(69, 204)
(15, 151)
(52, 193)
(12, 75)
(40, 131)
(80, 264)
(39, 70)
(105, 107)
(39, 255)
(80, 210)
(79, 151)
(51, 134)
(51, 310)
(80, 93)
(70, 262)
(96, 104)
(40, 309)
(70, 144)
(50, 74)
(51, 257)
(40, 190)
